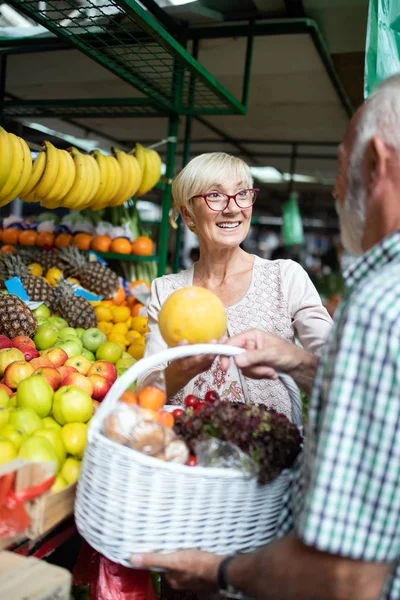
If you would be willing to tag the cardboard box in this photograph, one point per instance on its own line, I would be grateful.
(24, 578)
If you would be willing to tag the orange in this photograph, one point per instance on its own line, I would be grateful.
(7, 249)
(142, 246)
(121, 314)
(136, 349)
(118, 338)
(63, 240)
(105, 327)
(152, 397)
(103, 313)
(140, 324)
(83, 241)
(45, 238)
(119, 297)
(11, 235)
(131, 336)
(101, 243)
(136, 309)
(129, 398)
(166, 418)
(121, 246)
(139, 282)
(28, 237)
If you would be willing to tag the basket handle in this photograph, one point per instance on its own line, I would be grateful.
(150, 362)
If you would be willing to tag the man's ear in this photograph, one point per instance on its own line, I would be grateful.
(376, 161)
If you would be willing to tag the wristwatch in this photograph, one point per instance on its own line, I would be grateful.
(225, 587)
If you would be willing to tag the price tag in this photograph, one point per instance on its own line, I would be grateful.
(14, 286)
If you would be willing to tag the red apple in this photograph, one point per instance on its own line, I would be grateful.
(80, 363)
(5, 387)
(17, 372)
(29, 352)
(104, 369)
(22, 340)
(51, 375)
(80, 381)
(57, 356)
(64, 371)
(96, 405)
(42, 361)
(5, 342)
(100, 386)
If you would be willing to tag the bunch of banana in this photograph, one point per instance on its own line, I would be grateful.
(120, 178)
(150, 164)
(15, 166)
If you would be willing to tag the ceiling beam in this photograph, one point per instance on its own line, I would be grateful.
(294, 8)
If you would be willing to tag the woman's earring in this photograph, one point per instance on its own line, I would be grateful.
(191, 223)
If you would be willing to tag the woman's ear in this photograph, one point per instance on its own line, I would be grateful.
(187, 217)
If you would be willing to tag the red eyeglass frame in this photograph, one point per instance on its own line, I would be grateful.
(229, 198)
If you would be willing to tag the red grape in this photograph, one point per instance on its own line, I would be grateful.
(199, 407)
(191, 401)
(178, 412)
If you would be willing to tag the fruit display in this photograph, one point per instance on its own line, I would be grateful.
(16, 318)
(75, 309)
(93, 275)
(38, 289)
(72, 179)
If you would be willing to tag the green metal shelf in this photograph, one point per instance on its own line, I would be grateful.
(128, 257)
(125, 39)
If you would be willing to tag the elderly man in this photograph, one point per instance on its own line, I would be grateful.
(340, 535)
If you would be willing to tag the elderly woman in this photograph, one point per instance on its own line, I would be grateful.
(214, 194)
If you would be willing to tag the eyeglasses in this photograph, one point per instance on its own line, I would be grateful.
(218, 201)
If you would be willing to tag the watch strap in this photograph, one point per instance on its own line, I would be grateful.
(223, 582)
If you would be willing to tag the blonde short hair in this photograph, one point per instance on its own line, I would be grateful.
(204, 172)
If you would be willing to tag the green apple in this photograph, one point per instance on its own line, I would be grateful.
(59, 484)
(126, 355)
(71, 347)
(125, 363)
(43, 321)
(7, 451)
(110, 352)
(72, 405)
(71, 470)
(37, 394)
(121, 372)
(25, 419)
(79, 331)
(87, 354)
(55, 439)
(50, 423)
(58, 322)
(93, 338)
(4, 398)
(38, 449)
(66, 332)
(8, 356)
(4, 416)
(45, 337)
(10, 432)
(13, 401)
(42, 311)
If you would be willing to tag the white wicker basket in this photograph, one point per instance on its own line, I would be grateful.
(128, 502)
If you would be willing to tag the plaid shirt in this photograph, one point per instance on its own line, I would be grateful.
(345, 497)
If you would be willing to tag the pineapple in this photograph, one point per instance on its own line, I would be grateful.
(76, 310)
(46, 258)
(16, 318)
(94, 276)
(37, 288)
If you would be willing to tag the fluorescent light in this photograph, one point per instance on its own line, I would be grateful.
(13, 17)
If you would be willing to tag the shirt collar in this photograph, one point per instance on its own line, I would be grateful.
(379, 255)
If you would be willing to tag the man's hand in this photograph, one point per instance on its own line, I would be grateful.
(267, 354)
(187, 570)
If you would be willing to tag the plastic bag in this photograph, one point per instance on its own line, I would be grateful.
(216, 453)
(292, 227)
(121, 583)
(382, 53)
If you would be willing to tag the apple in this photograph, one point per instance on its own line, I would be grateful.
(125, 363)
(64, 371)
(80, 363)
(29, 352)
(72, 405)
(59, 484)
(25, 419)
(4, 399)
(45, 337)
(57, 356)
(109, 351)
(66, 332)
(8, 356)
(105, 369)
(55, 439)
(93, 338)
(7, 451)
(80, 381)
(89, 355)
(22, 340)
(5, 387)
(36, 393)
(51, 375)
(71, 347)
(100, 386)
(58, 322)
(17, 372)
(38, 449)
(4, 416)
(126, 355)
(50, 423)
(41, 361)
(5, 342)
(79, 331)
(9, 432)
(42, 311)
(71, 470)
(121, 371)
